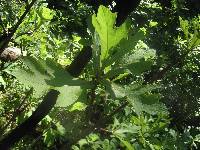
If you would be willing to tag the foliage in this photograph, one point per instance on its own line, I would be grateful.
(138, 91)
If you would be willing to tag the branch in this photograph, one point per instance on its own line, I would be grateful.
(124, 8)
(80, 61)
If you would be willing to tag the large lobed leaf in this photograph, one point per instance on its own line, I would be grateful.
(139, 96)
(110, 35)
(44, 75)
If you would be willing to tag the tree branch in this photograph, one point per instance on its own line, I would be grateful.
(124, 8)
(80, 61)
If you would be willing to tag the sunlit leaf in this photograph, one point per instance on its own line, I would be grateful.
(125, 46)
(44, 75)
(110, 35)
(184, 24)
(46, 13)
(2, 82)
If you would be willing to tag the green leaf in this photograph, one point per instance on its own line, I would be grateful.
(49, 138)
(82, 142)
(135, 63)
(197, 138)
(139, 67)
(78, 106)
(60, 129)
(139, 96)
(195, 40)
(127, 129)
(35, 76)
(121, 76)
(115, 72)
(110, 35)
(139, 89)
(44, 75)
(126, 144)
(115, 91)
(184, 24)
(2, 82)
(69, 95)
(46, 13)
(125, 46)
(156, 108)
(93, 137)
(153, 23)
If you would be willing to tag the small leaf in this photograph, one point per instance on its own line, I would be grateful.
(195, 40)
(2, 82)
(116, 72)
(49, 138)
(135, 63)
(138, 68)
(153, 23)
(127, 129)
(78, 106)
(46, 13)
(184, 24)
(82, 142)
(114, 90)
(136, 96)
(157, 108)
(197, 138)
(60, 129)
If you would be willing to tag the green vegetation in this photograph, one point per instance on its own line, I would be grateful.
(91, 75)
